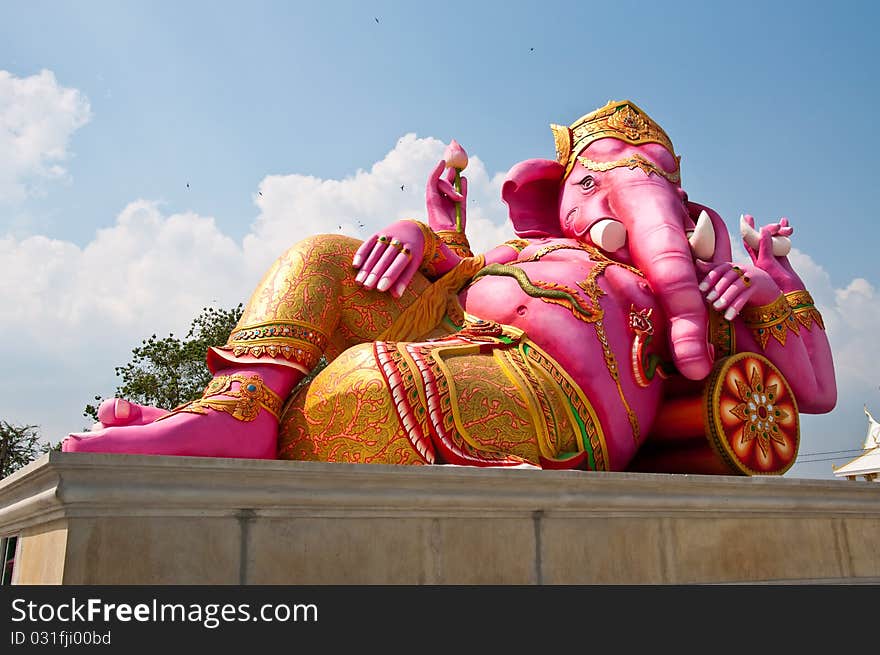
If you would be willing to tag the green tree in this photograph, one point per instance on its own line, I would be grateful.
(19, 445)
(171, 371)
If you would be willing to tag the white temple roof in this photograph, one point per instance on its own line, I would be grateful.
(864, 464)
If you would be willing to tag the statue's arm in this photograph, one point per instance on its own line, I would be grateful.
(773, 314)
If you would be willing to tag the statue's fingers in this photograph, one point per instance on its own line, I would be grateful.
(450, 175)
(432, 193)
(737, 304)
(378, 269)
(363, 251)
(437, 172)
(717, 291)
(375, 253)
(765, 243)
(772, 228)
(734, 289)
(405, 277)
(713, 275)
(449, 191)
(394, 270)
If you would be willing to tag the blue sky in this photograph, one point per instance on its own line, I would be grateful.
(771, 106)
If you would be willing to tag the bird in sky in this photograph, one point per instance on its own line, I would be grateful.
(401, 186)
(376, 19)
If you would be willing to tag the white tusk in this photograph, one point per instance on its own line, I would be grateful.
(781, 245)
(702, 239)
(608, 234)
(749, 234)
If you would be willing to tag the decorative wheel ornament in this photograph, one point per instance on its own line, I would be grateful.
(751, 415)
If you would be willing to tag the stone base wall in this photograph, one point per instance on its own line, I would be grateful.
(125, 519)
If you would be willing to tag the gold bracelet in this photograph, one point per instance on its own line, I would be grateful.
(245, 402)
(431, 254)
(517, 244)
(457, 242)
(775, 319)
(803, 308)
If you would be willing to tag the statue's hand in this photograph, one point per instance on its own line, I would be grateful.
(389, 259)
(441, 199)
(728, 287)
(769, 250)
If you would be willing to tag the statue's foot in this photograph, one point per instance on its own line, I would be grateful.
(237, 417)
(118, 411)
(213, 434)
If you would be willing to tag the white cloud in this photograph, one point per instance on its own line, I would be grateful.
(37, 119)
(71, 314)
(296, 205)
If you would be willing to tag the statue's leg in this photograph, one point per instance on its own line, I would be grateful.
(346, 415)
(306, 306)
(448, 401)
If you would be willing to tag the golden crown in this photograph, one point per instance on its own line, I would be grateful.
(621, 119)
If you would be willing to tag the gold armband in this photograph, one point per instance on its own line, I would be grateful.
(431, 254)
(245, 401)
(773, 320)
(457, 242)
(517, 244)
(801, 303)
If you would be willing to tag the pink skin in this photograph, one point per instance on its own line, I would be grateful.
(547, 210)
(117, 411)
(679, 286)
(213, 434)
(807, 363)
(648, 205)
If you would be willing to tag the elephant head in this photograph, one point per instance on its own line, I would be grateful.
(616, 185)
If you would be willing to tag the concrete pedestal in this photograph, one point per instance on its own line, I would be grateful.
(126, 519)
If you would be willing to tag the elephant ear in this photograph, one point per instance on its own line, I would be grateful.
(531, 191)
(722, 236)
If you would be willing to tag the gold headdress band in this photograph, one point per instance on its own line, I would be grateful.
(634, 161)
(619, 120)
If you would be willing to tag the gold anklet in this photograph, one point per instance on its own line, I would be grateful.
(244, 404)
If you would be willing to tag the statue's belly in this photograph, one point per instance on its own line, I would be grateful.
(594, 346)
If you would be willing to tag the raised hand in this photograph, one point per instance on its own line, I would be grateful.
(441, 198)
(769, 250)
(388, 259)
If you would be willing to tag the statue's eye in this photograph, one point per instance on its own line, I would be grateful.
(587, 183)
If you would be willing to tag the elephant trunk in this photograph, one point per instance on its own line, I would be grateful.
(659, 248)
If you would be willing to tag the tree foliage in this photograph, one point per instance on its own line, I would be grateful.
(19, 445)
(168, 372)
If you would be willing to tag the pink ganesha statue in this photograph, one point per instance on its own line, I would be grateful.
(614, 334)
